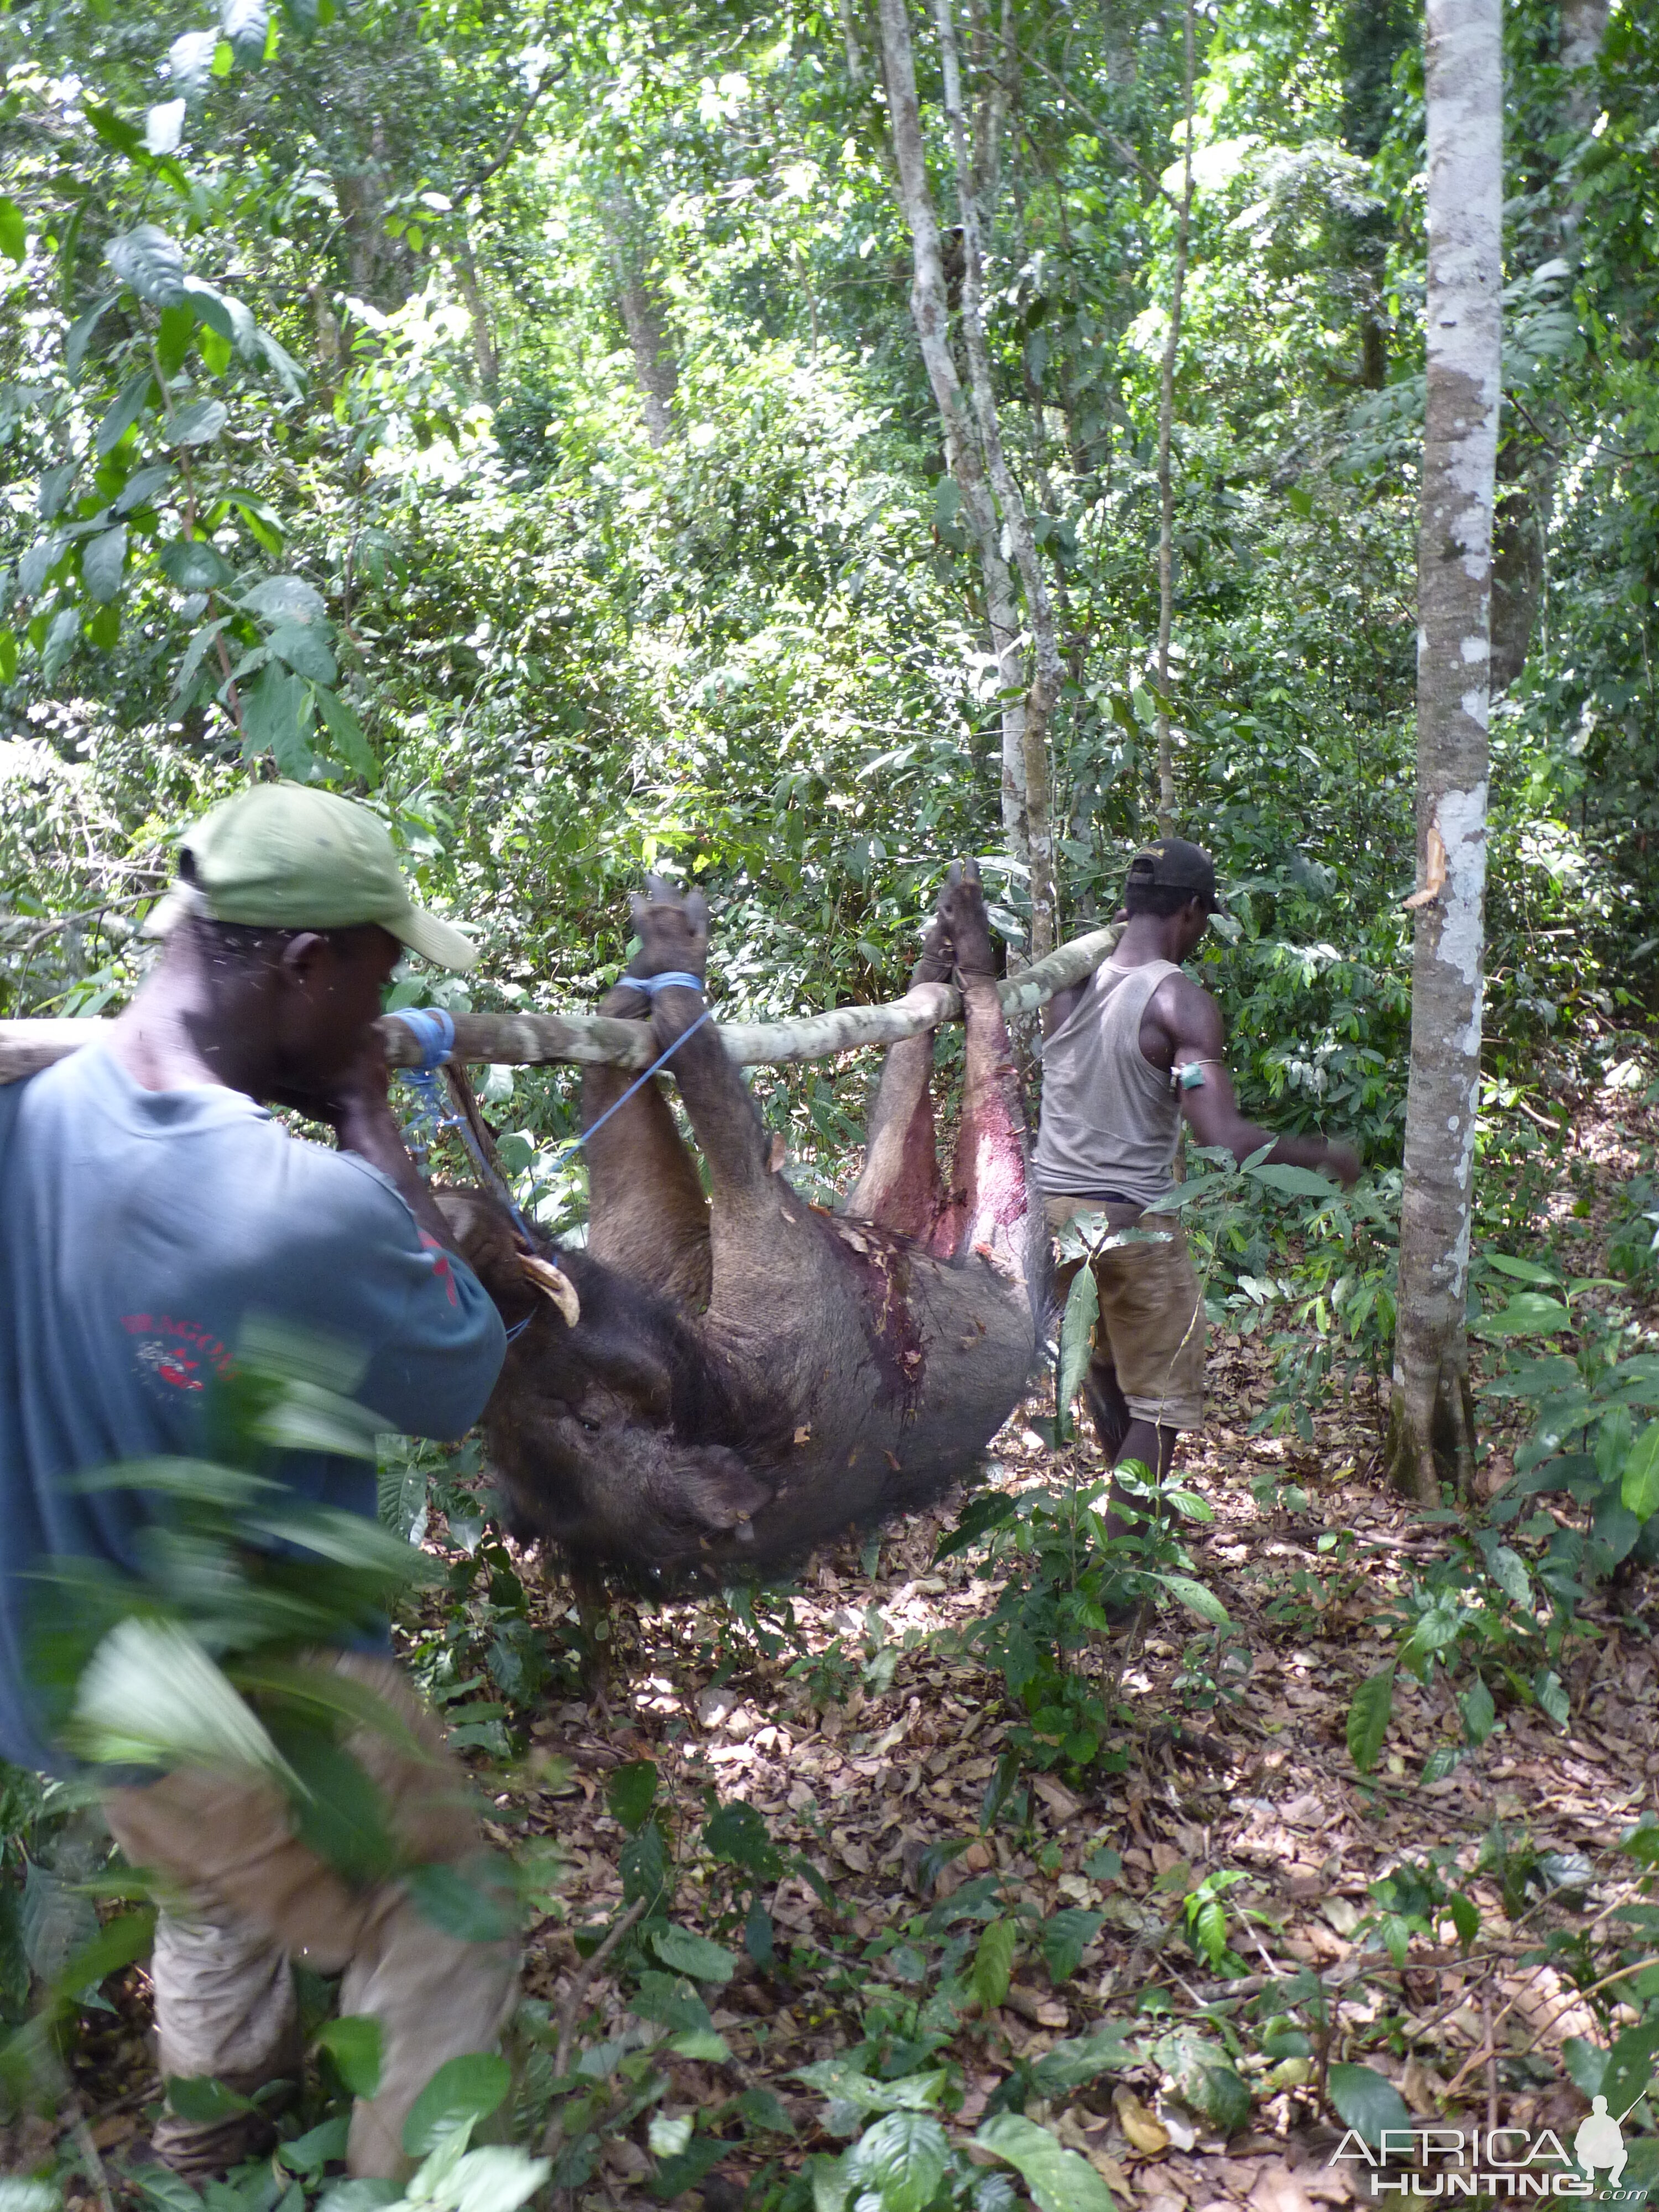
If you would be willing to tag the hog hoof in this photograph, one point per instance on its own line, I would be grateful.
(961, 914)
(672, 927)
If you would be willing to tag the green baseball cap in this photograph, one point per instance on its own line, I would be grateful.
(285, 856)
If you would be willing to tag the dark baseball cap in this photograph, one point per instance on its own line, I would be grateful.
(1173, 864)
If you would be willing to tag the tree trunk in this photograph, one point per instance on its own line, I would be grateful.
(640, 304)
(1044, 690)
(930, 312)
(485, 352)
(1431, 1426)
(1166, 785)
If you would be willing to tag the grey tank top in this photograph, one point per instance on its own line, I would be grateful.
(1109, 1118)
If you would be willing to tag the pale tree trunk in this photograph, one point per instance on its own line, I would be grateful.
(1166, 783)
(1044, 690)
(930, 312)
(485, 352)
(1431, 1426)
(640, 304)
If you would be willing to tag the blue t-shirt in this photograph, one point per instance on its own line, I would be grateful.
(140, 1232)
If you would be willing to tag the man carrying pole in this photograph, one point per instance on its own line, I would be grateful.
(1130, 1051)
(153, 1210)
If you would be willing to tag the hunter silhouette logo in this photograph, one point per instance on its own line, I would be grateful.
(1600, 2140)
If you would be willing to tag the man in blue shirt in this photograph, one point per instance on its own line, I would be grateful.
(154, 1213)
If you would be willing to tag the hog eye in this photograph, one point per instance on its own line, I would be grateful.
(592, 1427)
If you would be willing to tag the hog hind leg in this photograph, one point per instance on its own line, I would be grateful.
(900, 1187)
(647, 1216)
(992, 1210)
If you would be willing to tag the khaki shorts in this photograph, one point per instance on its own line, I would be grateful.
(1152, 1329)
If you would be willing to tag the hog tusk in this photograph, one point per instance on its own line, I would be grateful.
(553, 1283)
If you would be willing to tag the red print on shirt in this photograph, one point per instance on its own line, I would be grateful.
(170, 1355)
(440, 1266)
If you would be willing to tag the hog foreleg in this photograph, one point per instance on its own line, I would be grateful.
(992, 1210)
(648, 1217)
(900, 1187)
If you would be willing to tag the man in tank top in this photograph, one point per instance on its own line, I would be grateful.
(1132, 1049)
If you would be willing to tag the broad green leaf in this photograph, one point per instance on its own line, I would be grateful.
(142, 489)
(1292, 1182)
(246, 25)
(191, 564)
(285, 598)
(202, 2100)
(1366, 2102)
(1368, 1718)
(38, 563)
(631, 1792)
(79, 336)
(103, 559)
(1523, 1271)
(689, 1954)
(1197, 1599)
(1632, 2062)
(346, 735)
(1639, 1488)
(228, 317)
(198, 424)
(844, 2085)
(666, 2136)
(129, 406)
(195, 653)
(259, 517)
(1059, 2179)
(1531, 1314)
(1077, 1336)
(115, 131)
(1508, 1571)
(8, 655)
(58, 1920)
(737, 1835)
(14, 238)
(276, 714)
(62, 638)
(1546, 1688)
(900, 2162)
(289, 373)
(353, 2042)
(993, 1963)
(151, 263)
(463, 2092)
(30, 2196)
(54, 491)
(1073, 2064)
(151, 1697)
(305, 649)
(1480, 1713)
(1066, 1936)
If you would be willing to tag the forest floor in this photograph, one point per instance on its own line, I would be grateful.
(1236, 1771)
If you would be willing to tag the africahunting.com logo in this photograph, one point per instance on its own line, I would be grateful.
(1450, 2161)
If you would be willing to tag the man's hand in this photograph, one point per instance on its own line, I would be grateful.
(1344, 1163)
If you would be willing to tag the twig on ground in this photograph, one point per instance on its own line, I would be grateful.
(580, 1983)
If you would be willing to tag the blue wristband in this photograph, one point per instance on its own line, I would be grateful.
(676, 979)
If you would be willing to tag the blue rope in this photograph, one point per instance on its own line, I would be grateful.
(675, 978)
(434, 1030)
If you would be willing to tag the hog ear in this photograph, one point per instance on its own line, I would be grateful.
(483, 1237)
(722, 1493)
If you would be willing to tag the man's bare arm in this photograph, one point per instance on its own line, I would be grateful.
(1192, 1027)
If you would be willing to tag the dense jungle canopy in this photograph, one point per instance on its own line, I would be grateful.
(564, 364)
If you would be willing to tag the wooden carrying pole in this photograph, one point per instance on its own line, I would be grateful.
(532, 1040)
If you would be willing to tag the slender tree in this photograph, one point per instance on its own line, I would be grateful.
(1432, 1429)
(930, 311)
(1166, 787)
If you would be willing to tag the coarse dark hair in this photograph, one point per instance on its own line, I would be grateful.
(1162, 900)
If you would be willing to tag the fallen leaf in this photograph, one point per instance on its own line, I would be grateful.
(1143, 2128)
